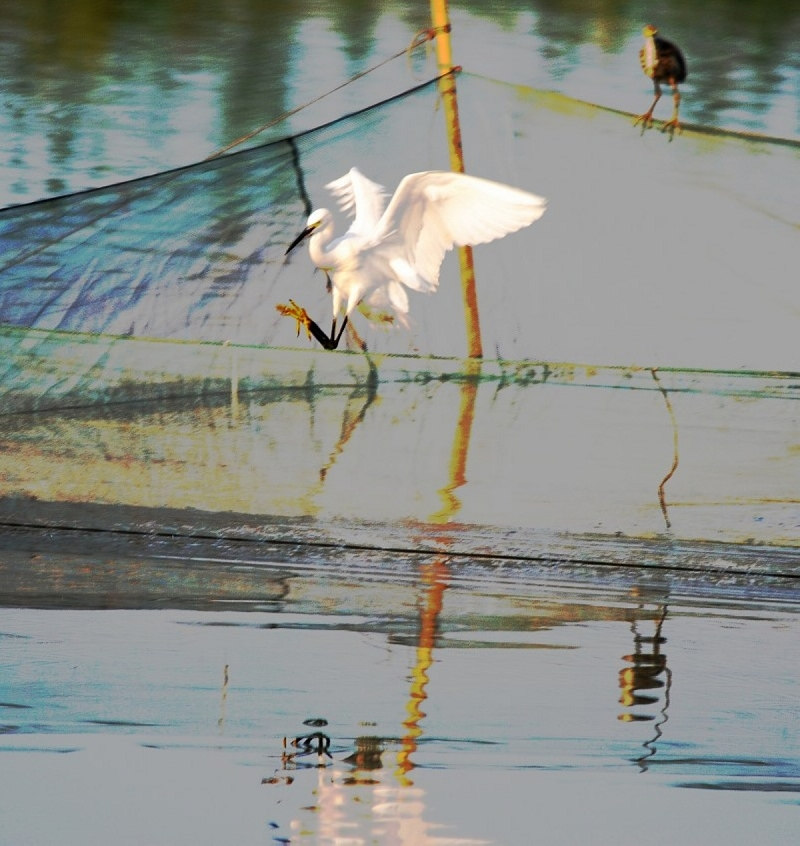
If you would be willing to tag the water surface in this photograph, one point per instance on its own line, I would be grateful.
(439, 700)
(95, 92)
(320, 691)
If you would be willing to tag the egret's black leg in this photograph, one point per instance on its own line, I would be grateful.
(341, 330)
(329, 342)
(298, 313)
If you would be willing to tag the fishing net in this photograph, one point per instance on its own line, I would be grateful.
(144, 363)
(195, 253)
(651, 252)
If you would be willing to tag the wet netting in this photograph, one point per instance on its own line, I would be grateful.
(639, 376)
(195, 254)
(653, 252)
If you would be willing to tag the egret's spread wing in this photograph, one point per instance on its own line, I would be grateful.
(433, 211)
(361, 197)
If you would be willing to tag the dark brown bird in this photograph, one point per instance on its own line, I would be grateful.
(662, 61)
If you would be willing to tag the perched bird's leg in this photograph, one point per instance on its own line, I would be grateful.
(673, 123)
(646, 119)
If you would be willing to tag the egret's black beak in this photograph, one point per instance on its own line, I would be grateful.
(299, 239)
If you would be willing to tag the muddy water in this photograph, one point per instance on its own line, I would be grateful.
(427, 701)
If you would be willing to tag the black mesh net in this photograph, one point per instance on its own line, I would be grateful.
(651, 253)
(145, 366)
(194, 254)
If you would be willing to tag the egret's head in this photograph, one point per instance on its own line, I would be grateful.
(316, 219)
(649, 31)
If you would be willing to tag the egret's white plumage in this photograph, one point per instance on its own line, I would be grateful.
(401, 245)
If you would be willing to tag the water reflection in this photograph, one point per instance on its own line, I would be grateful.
(393, 801)
(647, 680)
(459, 451)
(429, 696)
(495, 453)
(316, 742)
(434, 582)
(370, 797)
(96, 92)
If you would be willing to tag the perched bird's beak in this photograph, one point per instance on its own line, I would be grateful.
(300, 238)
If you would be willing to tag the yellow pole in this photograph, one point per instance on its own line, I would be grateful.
(447, 87)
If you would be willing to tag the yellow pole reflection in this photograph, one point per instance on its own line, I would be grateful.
(451, 504)
(435, 578)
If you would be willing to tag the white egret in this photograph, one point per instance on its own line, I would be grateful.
(389, 248)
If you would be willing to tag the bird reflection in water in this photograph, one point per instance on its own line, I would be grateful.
(370, 795)
(642, 681)
(307, 744)
(351, 419)
(367, 758)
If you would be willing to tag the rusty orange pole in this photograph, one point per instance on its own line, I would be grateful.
(447, 87)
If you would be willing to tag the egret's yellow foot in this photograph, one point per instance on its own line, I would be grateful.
(298, 313)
